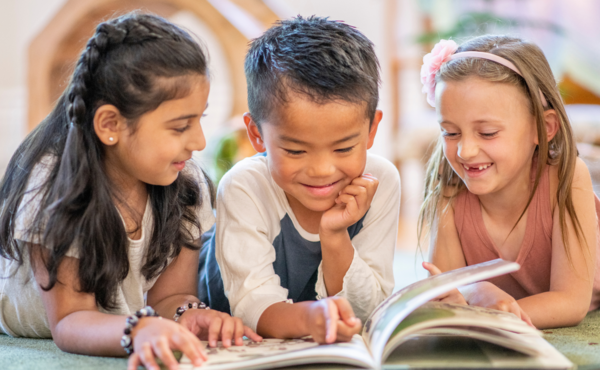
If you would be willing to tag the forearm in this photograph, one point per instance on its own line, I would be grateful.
(337, 253)
(284, 320)
(168, 306)
(90, 333)
(555, 309)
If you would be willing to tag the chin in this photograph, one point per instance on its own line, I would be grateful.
(165, 181)
(478, 189)
(319, 206)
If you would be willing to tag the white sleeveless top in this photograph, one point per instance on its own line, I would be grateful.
(22, 312)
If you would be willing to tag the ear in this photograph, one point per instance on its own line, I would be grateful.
(109, 124)
(552, 123)
(254, 134)
(374, 126)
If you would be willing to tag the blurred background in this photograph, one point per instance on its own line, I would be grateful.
(40, 41)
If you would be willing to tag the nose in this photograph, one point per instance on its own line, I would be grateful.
(467, 147)
(197, 140)
(321, 166)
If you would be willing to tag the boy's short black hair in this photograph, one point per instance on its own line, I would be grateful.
(321, 59)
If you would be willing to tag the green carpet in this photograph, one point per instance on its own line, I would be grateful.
(580, 344)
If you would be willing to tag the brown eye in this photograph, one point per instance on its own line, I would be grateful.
(344, 150)
(182, 129)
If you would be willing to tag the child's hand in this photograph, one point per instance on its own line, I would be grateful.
(486, 294)
(332, 319)
(351, 204)
(211, 325)
(453, 296)
(157, 337)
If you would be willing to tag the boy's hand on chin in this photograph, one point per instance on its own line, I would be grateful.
(351, 204)
(332, 320)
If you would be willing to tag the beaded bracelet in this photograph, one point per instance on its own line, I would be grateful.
(182, 309)
(130, 323)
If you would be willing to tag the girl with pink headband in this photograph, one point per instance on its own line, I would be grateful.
(504, 181)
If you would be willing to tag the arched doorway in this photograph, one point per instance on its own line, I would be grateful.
(53, 53)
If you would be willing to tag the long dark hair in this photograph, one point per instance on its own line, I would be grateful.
(121, 65)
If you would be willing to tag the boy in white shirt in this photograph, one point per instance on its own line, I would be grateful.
(306, 231)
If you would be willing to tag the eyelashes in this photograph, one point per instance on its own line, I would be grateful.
(299, 152)
(486, 135)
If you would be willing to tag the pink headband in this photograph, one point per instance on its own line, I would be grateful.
(443, 52)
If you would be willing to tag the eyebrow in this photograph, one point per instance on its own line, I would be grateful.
(476, 122)
(187, 116)
(300, 142)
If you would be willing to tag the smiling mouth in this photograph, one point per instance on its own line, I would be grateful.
(479, 167)
(321, 186)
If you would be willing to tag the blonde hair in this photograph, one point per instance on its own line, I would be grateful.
(442, 182)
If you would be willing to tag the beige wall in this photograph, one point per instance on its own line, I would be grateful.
(20, 21)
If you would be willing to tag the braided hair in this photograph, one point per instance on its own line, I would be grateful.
(123, 64)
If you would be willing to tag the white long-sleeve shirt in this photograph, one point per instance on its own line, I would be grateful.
(262, 249)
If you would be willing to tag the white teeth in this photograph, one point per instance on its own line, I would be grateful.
(482, 167)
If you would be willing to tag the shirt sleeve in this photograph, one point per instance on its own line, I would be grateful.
(370, 277)
(244, 250)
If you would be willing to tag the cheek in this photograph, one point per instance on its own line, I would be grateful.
(281, 167)
(449, 149)
(355, 166)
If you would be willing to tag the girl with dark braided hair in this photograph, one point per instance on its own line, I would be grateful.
(102, 208)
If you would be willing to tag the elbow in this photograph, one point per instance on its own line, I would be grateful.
(579, 316)
(573, 319)
(60, 339)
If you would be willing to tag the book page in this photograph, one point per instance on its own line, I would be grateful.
(386, 317)
(283, 352)
(460, 352)
(497, 327)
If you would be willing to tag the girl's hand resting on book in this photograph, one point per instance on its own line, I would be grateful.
(453, 296)
(157, 337)
(332, 319)
(212, 325)
(486, 294)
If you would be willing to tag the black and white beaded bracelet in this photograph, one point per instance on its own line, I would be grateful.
(130, 323)
(185, 307)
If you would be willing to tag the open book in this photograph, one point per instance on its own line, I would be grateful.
(407, 330)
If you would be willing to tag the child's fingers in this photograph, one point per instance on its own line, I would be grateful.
(147, 356)
(162, 351)
(227, 329)
(525, 317)
(346, 313)
(349, 201)
(433, 270)
(252, 335)
(238, 331)
(191, 347)
(331, 321)
(367, 181)
(508, 306)
(354, 190)
(358, 192)
(214, 329)
(453, 296)
(345, 332)
(134, 361)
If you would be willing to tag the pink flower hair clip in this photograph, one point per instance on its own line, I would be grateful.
(431, 64)
(445, 51)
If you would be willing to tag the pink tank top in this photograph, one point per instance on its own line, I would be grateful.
(535, 254)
